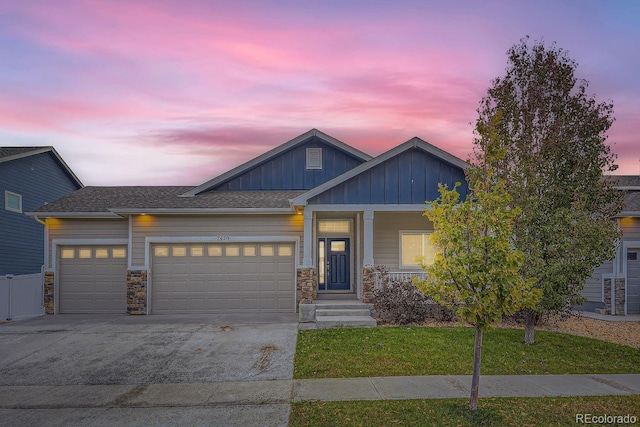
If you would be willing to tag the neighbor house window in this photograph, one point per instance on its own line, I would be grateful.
(314, 158)
(12, 202)
(415, 248)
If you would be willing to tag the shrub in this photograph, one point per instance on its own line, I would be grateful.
(399, 302)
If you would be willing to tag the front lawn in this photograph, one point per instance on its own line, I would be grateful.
(556, 411)
(393, 351)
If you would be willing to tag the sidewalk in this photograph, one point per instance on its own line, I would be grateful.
(331, 389)
(451, 386)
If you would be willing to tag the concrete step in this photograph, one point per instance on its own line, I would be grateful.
(326, 322)
(341, 305)
(333, 296)
(343, 311)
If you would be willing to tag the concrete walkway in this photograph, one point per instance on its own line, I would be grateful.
(332, 389)
(450, 386)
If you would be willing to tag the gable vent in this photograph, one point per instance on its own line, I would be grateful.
(314, 158)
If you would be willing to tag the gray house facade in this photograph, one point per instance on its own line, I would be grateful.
(311, 217)
(614, 286)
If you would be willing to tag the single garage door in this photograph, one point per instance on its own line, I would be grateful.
(92, 279)
(222, 278)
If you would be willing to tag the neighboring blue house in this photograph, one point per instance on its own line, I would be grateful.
(306, 221)
(29, 177)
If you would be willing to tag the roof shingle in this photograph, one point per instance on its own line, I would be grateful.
(105, 199)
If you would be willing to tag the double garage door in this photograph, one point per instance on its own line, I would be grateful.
(222, 278)
(185, 278)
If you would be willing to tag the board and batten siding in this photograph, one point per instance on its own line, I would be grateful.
(411, 177)
(78, 229)
(144, 226)
(386, 235)
(288, 171)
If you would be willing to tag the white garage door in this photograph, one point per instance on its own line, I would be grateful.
(223, 278)
(92, 279)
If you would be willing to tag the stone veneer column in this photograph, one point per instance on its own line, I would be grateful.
(368, 283)
(620, 284)
(137, 291)
(306, 284)
(48, 292)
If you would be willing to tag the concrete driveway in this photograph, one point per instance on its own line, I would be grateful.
(147, 370)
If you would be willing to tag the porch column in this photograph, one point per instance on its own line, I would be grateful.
(368, 239)
(307, 261)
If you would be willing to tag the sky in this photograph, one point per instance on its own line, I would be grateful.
(176, 92)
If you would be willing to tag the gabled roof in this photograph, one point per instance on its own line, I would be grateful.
(630, 184)
(414, 142)
(8, 154)
(112, 201)
(274, 152)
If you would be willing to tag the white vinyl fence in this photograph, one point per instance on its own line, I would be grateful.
(21, 296)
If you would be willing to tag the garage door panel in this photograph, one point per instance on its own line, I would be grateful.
(91, 280)
(234, 277)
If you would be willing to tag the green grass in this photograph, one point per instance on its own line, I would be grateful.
(344, 353)
(493, 412)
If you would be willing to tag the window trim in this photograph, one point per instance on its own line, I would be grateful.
(314, 158)
(8, 193)
(400, 258)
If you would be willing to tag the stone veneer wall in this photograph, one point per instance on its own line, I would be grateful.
(620, 301)
(137, 291)
(48, 292)
(307, 286)
(368, 283)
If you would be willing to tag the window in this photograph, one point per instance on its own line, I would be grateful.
(414, 248)
(12, 202)
(84, 253)
(266, 250)
(314, 158)
(249, 250)
(197, 250)
(179, 251)
(161, 251)
(632, 256)
(333, 226)
(285, 250)
(122, 252)
(102, 253)
(214, 250)
(68, 253)
(232, 250)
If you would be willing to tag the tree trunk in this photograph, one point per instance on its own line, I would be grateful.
(530, 323)
(475, 381)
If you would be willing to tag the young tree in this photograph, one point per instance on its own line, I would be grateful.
(476, 270)
(553, 136)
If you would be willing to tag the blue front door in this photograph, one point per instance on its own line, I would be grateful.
(338, 260)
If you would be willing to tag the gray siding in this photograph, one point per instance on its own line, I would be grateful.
(386, 231)
(630, 229)
(210, 226)
(39, 179)
(592, 290)
(86, 229)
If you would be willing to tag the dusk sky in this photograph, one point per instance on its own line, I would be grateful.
(176, 92)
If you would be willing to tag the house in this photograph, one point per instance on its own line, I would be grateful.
(615, 285)
(310, 218)
(29, 178)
